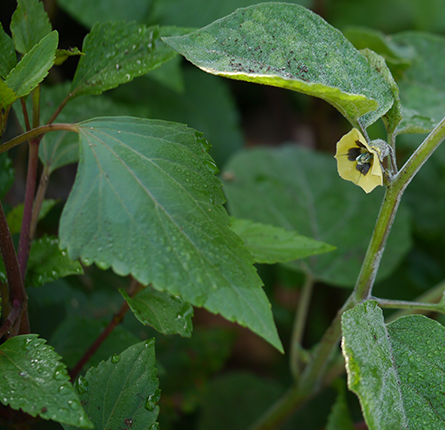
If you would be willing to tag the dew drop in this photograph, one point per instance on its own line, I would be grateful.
(115, 358)
(150, 404)
(81, 385)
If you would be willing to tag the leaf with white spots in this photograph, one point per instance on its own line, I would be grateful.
(397, 370)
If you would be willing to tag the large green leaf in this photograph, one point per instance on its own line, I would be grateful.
(8, 58)
(300, 190)
(288, 46)
(116, 53)
(421, 88)
(34, 66)
(146, 202)
(165, 313)
(36, 381)
(270, 244)
(29, 25)
(397, 370)
(102, 11)
(123, 391)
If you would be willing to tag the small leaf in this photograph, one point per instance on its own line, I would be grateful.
(8, 58)
(397, 370)
(34, 66)
(63, 54)
(7, 98)
(48, 263)
(146, 202)
(289, 46)
(269, 244)
(298, 189)
(165, 313)
(123, 391)
(115, 53)
(340, 418)
(29, 25)
(36, 381)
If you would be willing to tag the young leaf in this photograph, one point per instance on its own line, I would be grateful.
(36, 381)
(421, 87)
(340, 418)
(48, 263)
(289, 46)
(165, 313)
(29, 25)
(115, 53)
(300, 190)
(7, 98)
(123, 391)
(397, 370)
(8, 58)
(146, 202)
(269, 244)
(34, 66)
(63, 54)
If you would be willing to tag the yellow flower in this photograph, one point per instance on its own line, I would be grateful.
(358, 162)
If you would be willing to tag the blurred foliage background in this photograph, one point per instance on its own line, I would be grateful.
(224, 376)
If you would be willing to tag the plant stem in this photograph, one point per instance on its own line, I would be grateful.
(40, 196)
(17, 293)
(115, 321)
(37, 132)
(312, 378)
(299, 324)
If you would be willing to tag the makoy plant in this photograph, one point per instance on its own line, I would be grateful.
(146, 203)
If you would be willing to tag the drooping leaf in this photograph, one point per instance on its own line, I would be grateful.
(397, 370)
(29, 25)
(115, 53)
(48, 263)
(8, 58)
(36, 381)
(103, 11)
(288, 46)
(269, 244)
(123, 391)
(34, 66)
(300, 190)
(421, 87)
(15, 217)
(166, 313)
(392, 118)
(76, 333)
(146, 202)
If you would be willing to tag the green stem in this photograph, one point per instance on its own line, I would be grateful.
(40, 196)
(312, 378)
(37, 132)
(402, 304)
(299, 324)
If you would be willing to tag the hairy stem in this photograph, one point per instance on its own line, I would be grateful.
(115, 321)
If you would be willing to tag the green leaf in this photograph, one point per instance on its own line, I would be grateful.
(8, 58)
(102, 11)
(392, 118)
(300, 190)
(34, 66)
(269, 244)
(340, 418)
(115, 53)
(288, 46)
(6, 174)
(123, 391)
(421, 88)
(63, 54)
(48, 263)
(146, 202)
(75, 333)
(29, 25)
(7, 98)
(36, 381)
(15, 217)
(165, 313)
(397, 370)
